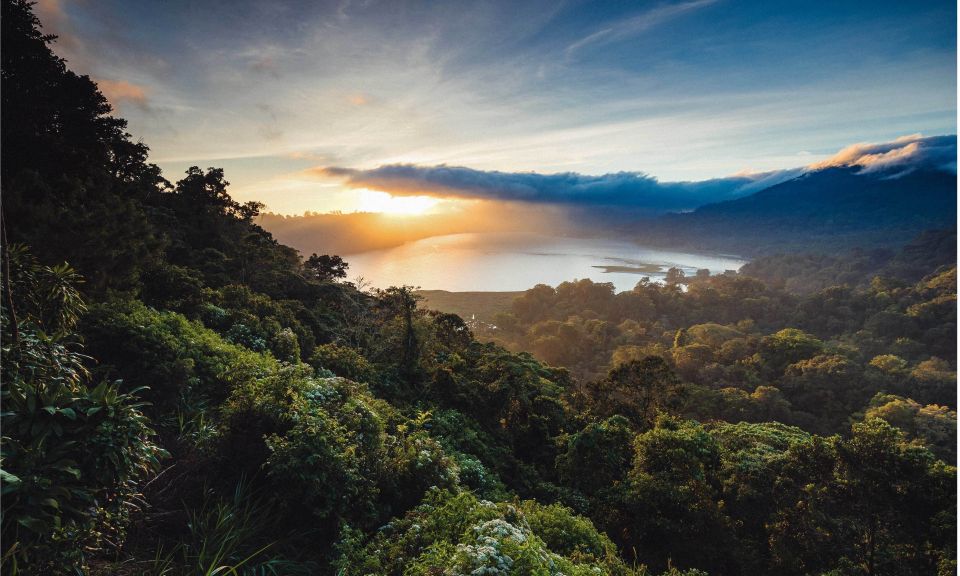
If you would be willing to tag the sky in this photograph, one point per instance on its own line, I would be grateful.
(298, 100)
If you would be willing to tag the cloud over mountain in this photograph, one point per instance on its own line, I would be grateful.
(635, 191)
(904, 154)
(627, 189)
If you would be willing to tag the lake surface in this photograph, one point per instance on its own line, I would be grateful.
(507, 262)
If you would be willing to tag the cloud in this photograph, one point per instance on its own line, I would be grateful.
(120, 92)
(633, 190)
(54, 20)
(270, 126)
(635, 25)
(358, 99)
(50, 10)
(898, 157)
(265, 65)
(760, 180)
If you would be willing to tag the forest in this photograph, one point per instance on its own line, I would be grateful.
(182, 394)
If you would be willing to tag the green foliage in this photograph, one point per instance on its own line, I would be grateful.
(713, 335)
(260, 322)
(788, 346)
(935, 426)
(415, 463)
(597, 456)
(475, 477)
(325, 268)
(752, 459)
(513, 408)
(281, 468)
(186, 366)
(861, 496)
(638, 389)
(464, 436)
(72, 452)
(343, 361)
(727, 336)
(568, 534)
(328, 451)
(671, 509)
(459, 534)
(830, 382)
(171, 287)
(808, 273)
(316, 440)
(225, 535)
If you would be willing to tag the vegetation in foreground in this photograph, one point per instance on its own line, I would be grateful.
(188, 396)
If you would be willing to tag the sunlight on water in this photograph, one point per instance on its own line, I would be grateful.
(507, 262)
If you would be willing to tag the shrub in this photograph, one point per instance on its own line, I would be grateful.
(455, 533)
(71, 453)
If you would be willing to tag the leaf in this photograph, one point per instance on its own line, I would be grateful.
(69, 469)
(9, 482)
(35, 524)
(69, 413)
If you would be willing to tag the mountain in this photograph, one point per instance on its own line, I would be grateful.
(838, 207)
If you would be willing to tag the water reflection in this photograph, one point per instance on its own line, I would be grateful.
(507, 262)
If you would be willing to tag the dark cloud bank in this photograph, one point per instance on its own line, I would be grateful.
(628, 189)
(635, 191)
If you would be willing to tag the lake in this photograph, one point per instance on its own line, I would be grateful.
(490, 262)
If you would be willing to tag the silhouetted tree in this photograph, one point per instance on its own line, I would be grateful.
(325, 267)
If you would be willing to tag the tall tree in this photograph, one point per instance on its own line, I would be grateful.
(72, 179)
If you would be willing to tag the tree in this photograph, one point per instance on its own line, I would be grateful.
(786, 347)
(871, 504)
(325, 268)
(400, 304)
(675, 276)
(672, 512)
(598, 455)
(752, 456)
(452, 332)
(827, 385)
(637, 389)
(73, 183)
(935, 425)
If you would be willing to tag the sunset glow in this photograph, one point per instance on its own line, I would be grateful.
(545, 87)
(381, 202)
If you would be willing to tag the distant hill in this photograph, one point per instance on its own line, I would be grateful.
(809, 272)
(822, 210)
(481, 306)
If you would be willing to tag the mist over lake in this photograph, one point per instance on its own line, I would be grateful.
(506, 262)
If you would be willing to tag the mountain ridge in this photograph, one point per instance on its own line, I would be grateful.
(835, 207)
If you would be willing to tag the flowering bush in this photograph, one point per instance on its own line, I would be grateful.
(458, 534)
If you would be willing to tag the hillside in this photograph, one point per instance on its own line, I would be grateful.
(820, 211)
(805, 272)
(183, 394)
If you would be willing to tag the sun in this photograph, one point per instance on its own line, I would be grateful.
(383, 203)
